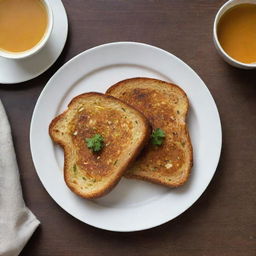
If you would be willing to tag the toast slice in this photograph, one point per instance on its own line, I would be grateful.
(92, 121)
(166, 107)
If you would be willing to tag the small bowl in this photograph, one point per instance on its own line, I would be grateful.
(40, 44)
(229, 4)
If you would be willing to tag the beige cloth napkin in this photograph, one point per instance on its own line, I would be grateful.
(17, 222)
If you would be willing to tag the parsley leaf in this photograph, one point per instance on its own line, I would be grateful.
(95, 143)
(157, 137)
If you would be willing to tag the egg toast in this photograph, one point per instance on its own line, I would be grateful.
(101, 136)
(168, 159)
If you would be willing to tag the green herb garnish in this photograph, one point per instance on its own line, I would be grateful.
(74, 168)
(95, 143)
(157, 137)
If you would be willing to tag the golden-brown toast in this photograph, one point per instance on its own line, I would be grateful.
(166, 107)
(91, 170)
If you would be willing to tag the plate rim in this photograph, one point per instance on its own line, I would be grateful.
(176, 59)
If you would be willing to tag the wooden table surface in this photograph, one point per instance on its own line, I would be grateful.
(222, 222)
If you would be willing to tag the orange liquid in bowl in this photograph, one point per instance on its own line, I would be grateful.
(23, 24)
(236, 32)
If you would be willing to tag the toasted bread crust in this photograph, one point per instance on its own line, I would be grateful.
(113, 174)
(147, 95)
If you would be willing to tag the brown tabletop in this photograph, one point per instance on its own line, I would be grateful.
(222, 222)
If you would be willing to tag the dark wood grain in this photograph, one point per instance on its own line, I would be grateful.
(222, 222)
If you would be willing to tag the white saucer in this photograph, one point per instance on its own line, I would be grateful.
(17, 71)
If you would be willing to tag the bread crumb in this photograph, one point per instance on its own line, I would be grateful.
(92, 121)
(168, 166)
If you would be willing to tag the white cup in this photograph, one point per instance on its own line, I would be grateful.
(229, 4)
(40, 44)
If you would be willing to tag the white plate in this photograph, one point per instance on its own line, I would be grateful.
(17, 71)
(132, 205)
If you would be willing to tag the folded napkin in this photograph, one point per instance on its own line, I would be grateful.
(17, 222)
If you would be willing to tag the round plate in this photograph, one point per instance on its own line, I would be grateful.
(132, 205)
(17, 71)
